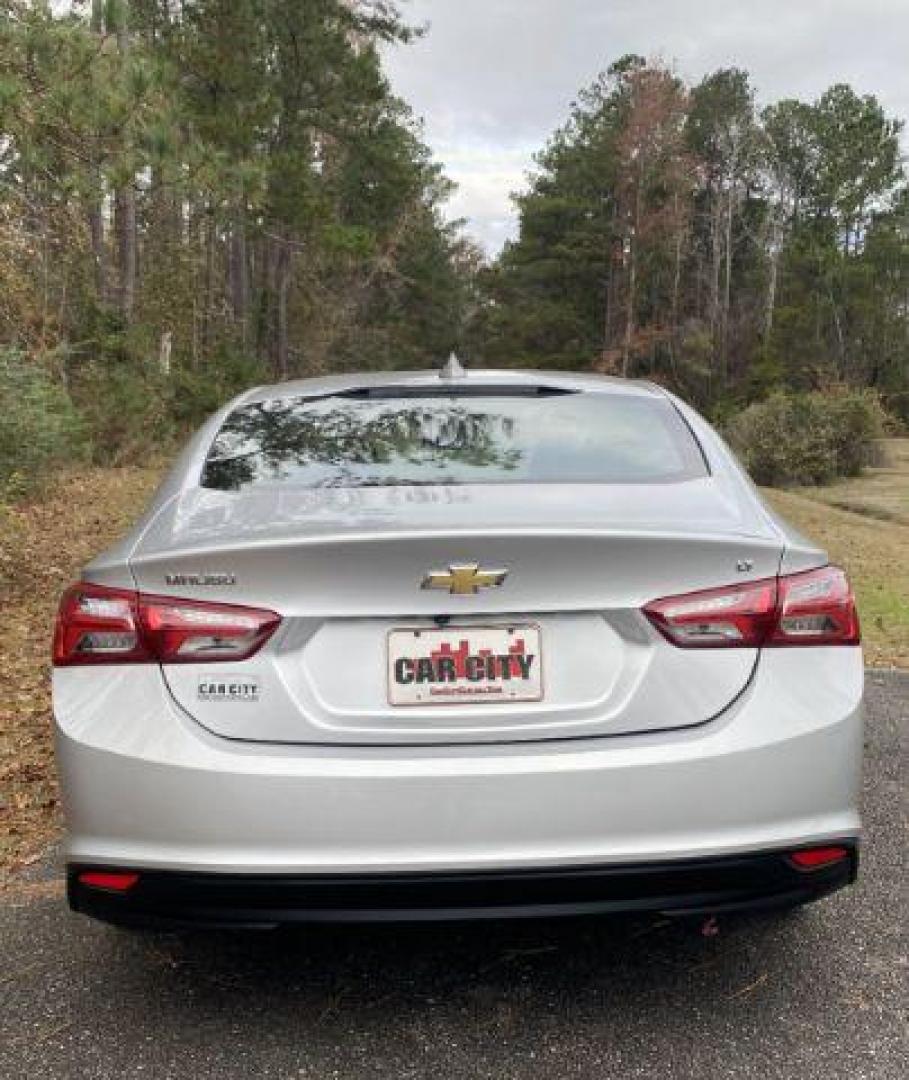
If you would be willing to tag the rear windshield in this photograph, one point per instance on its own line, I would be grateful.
(353, 441)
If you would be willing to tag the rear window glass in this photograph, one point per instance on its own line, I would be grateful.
(360, 440)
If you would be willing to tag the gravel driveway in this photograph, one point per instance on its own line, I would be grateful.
(821, 994)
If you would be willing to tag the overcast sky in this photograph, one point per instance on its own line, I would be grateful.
(493, 78)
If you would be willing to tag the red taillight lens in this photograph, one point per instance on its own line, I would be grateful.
(814, 608)
(190, 632)
(815, 858)
(99, 625)
(737, 617)
(108, 880)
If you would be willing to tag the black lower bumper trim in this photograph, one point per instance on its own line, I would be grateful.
(165, 898)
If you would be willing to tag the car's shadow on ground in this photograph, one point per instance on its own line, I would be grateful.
(505, 973)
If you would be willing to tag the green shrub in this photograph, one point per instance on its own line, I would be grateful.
(126, 411)
(808, 438)
(859, 423)
(131, 408)
(133, 411)
(198, 392)
(897, 403)
(39, 428)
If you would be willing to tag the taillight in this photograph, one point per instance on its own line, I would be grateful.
(813, 608)
(100, 625)
(737, 617)
(816, 608)
(191, 632)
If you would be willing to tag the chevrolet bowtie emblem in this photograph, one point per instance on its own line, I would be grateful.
(464, 579)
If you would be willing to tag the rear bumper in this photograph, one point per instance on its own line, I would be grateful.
(686, 887)
(145, 788)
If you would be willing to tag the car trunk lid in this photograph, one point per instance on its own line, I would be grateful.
(344, 569)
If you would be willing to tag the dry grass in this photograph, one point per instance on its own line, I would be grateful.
(879, 493)
(42, 546)
(864, 525)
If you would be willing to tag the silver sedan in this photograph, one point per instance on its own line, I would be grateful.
(423, 645)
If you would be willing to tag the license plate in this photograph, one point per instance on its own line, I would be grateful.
(462, 665)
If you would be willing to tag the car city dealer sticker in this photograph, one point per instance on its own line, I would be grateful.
(464, 664)
(229, 688)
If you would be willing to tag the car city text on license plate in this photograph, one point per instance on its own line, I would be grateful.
(465, 664)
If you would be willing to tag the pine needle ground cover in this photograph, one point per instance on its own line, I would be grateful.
(44, 543)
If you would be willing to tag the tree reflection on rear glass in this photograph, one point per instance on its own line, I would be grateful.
(342, 442)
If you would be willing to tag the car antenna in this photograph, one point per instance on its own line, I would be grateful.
(453, 368)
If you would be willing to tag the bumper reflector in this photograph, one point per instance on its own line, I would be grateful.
(111, 882)
(815, 858)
